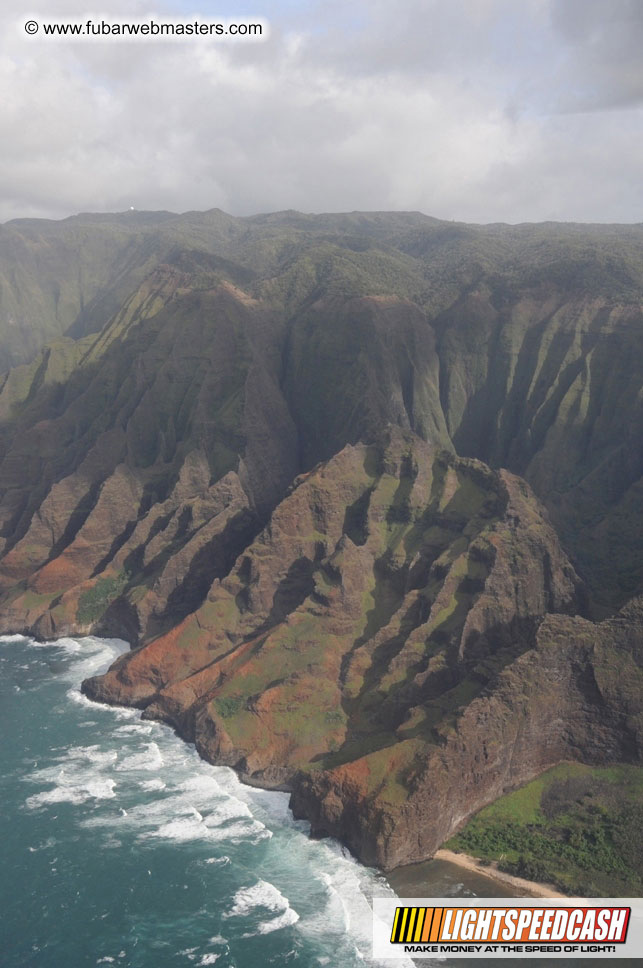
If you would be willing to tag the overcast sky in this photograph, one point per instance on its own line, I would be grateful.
(476, 110)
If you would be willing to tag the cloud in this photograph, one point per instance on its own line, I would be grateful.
(480, 110)
(602, 43)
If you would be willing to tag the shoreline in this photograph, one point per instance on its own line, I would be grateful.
(465, 861)
(531, 888)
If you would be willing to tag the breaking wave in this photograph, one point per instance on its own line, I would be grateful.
(138, 784)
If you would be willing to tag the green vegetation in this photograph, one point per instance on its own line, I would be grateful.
(265, 346)
(575, 826)
(118, 303)
(31, 599)
(93, 602)
(229, 705)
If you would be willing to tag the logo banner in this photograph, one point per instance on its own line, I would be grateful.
(406, 928)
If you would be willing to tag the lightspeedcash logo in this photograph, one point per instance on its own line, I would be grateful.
(507, 927)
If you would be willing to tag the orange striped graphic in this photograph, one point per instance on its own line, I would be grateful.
(505, 925)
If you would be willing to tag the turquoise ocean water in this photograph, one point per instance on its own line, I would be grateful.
(120, 846)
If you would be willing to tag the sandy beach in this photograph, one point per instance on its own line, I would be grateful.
(529, 888)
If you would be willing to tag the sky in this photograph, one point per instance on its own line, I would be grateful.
(473, 110)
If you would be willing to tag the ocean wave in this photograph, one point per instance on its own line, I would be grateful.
(152, 786)
(186, 800)
(200, 783)
(92, 754)
(50, 842)
(143, 729)
(79, 762)
(77, 775)
(94, 789)
(184, 829)
(262, 896)
(120, 712)
(149, 758)
(231, 809)
(284, 920)
(348, 888)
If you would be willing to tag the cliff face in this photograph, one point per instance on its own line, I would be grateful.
(389, 588)
(268, 452)
(267, 344)
(549, 386)
(575, 695)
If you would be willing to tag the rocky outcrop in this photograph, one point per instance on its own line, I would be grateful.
(575, 695)
(389, 588)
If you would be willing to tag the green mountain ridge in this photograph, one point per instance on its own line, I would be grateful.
(176, 375)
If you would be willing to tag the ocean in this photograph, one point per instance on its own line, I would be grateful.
(122, 847)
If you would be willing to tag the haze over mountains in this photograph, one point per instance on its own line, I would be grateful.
(357, 487)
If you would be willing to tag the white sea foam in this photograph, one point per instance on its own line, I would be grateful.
(143, 729)
(50, 842)
(231, 809)
(282, 921)
(275, 805)
(93, 754)
(348, 888)
(262, 896)
(209, 959)
(200, 785)
(184, 829)
(79, 764)
(181, 830)
(67, 645)
(152, 786)
(95, 656)
(95, 789)
(120, 712)
(191, 801)
(78, 777)
(336, 911)
(148, 759)
(188, 813)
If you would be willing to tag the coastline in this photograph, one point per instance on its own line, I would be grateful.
(465, 861)
(136, 797)
(530, 888)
